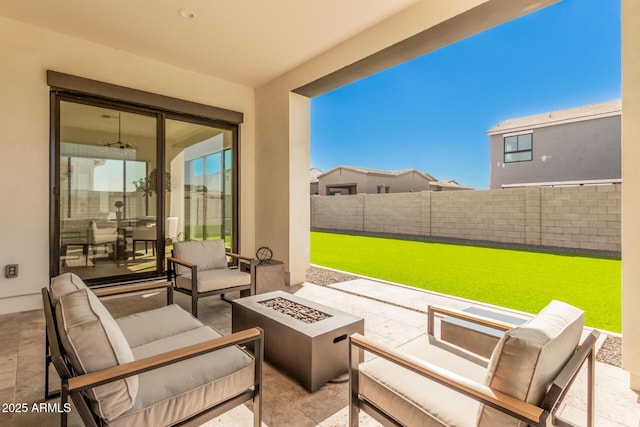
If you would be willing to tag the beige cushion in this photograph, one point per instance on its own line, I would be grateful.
(147, 326)
(528, 358)
(65, 284)
(173, 393)
(206, 254)
(92, 340)
(414, 400)
(105, 234)
(215, 280)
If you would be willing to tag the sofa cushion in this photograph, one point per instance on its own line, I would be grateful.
(528, 358)
(206, 254)
(92, 340)
(147, 326)
(175, 392)
(415, 400)
(65, 284)
(214, 280)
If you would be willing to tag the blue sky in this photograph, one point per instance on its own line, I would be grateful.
(432, 113)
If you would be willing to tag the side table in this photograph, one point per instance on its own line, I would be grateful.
(269, 276)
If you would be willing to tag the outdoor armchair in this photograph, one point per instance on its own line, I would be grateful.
(159, 367)
(148, 234)
(423, 383)
(201, 269)
(106, 234)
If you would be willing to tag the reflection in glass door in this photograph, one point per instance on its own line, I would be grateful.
(199, 159)
(107, 195)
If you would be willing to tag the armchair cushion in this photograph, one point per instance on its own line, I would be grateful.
(206, 254)
(148, 326)
(415, 400)
(65, 284)
(528, 358)
(213, 280)
(106, 234)
(172, 393)
(92, 340)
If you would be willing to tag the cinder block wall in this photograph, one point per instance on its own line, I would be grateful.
(396, 213)
(586, 217)
(479, 215)
(345, 213)
(582, 217)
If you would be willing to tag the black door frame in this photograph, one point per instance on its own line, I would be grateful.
(56, 96)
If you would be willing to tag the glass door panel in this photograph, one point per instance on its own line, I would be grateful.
(107, 201)
(199, 163)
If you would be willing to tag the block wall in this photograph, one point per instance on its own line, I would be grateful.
(344, 213)
(585, 217)
(581, 217)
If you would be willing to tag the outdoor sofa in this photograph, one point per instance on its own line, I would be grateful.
(155, 368)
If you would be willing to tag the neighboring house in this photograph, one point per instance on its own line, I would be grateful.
(313, 180)
(346, 180)
(579, 145)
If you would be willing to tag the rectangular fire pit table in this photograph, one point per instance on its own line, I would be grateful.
(314, 352)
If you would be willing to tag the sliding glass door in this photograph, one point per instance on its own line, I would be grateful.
(199, 158)
(105, 157)
(129, 182)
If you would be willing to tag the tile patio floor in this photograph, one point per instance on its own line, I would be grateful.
(393, 315)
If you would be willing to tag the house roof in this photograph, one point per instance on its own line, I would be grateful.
(314, 173)
(377, 172)
(394, 173)
(449, 184)
(552, 118)
(246, 42)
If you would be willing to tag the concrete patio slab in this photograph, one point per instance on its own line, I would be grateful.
(393, 315)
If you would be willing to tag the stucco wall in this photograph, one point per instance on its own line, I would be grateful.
(581, 217)
(26, 52)
(631, 195)
(586, 150)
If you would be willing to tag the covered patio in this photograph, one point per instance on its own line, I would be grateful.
(263, 62)
(394, 314)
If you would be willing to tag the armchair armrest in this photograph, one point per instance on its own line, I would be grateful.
(482, 393)
(103, 376)
(182, 262)
(237, 256)
(474, 318)
(136, 287)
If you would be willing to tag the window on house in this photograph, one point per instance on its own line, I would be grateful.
(518, 148)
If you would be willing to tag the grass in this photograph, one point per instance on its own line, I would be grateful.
(517, 279)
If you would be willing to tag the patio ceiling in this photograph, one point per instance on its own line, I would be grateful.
(248, 42)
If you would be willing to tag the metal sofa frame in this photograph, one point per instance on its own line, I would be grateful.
(543, 415)
(73, 385)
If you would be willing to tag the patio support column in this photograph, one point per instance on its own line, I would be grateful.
(282, 177)
(631, 191)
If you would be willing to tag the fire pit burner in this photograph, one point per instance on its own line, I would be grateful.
(293, 309)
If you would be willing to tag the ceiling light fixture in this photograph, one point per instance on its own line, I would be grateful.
(186, 13)
(118, 143)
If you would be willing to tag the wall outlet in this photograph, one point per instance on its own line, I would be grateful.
(11, 270)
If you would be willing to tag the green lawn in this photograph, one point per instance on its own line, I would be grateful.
(521, 280)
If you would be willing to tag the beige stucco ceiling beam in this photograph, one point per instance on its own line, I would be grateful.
(411, 33)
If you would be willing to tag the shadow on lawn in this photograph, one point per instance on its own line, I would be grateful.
(570, 252)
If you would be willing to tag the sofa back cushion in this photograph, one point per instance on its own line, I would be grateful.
(528, 358)
(206, 254)
(65, 284)
(92, 341)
